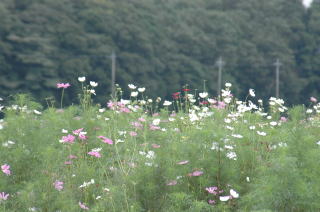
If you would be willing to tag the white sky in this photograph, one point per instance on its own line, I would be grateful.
(307, 3)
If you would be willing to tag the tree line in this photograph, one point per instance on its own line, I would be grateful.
(161, 45)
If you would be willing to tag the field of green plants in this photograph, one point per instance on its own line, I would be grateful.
(194, 153)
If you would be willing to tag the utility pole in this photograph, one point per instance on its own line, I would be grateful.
(277, 64)
(220, 63)
(113, 72)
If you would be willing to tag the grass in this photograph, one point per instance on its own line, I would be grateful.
(160, 160)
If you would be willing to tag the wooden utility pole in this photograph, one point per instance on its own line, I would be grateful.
(220, 63)
(277, 64)
(113, 73)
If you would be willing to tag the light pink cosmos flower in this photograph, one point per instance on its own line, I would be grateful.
(154, 127)
(133, 134)
(58, 185)
(221, 105)
(68, 162)
(211, 202)
(137, 125)
(172, 183)
(83, 206)
(82, 136)
(76, 132)
(4, 196)
(196, 173)
(156, 146)
(183, 162)
(106, 140)
(212, 190)
(6, 169)
(63, 85)
(313, 99)
(68, 139)
(283, 119)
(72, 157)
(95, 154)
(142, 119)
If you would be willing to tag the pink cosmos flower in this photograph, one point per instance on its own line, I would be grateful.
(172, 183)
(283, 119)
(72, 157)
(133, 134)
(212, 190)
(63, 85)
(221, 105)
(154, 127)
(156, 146)
(95, 154)
(137, 125)
(183, 162)
(106, 140)
(125, 110)
(68, 162)
(111, 105)
(4, 196)
(68, 139)
(82, 136)
(76, 132)
(142, 119)
(6, 169)
(58, 185)
(83, 206)
(196, 173)
(211, 202)
(313, 99)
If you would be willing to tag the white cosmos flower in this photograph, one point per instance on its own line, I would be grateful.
(119, 141)
(134, 93)
(141, 90)
(248, 179)
(167, 103)
(92, 91)
(237, 135)
(318, 143)
(232, 155)
(251, 92)
(81, 79)
(93, 84)
(224, 198)
(309, 111)
(225, 93)
(37, 112)
(212, 101)
(252, 127)
(156, 122)
(124, 101)
(273, 123)
(131, 86)
(261, 133)
(234, 194)
(227, 100)
(203, 95)
(228, 84)
(64, 131)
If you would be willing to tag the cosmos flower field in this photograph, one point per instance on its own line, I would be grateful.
(194, 152)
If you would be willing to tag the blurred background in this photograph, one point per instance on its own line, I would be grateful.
(161, 45)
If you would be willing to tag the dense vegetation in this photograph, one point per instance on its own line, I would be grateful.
(161, 44)
(197, 154)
